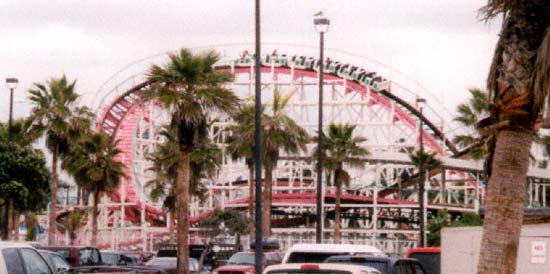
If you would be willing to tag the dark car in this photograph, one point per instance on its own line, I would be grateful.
(117, 258)
(78, 255)
(54, 260)
(429, 258)
(386, 265)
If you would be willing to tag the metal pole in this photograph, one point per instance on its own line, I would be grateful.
(421, 188)
(258, 260)
(319, 220)
(11, 111)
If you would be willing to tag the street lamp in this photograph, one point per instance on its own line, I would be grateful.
(420, 103)
(321, 24)
(258, 256)
(12, 84)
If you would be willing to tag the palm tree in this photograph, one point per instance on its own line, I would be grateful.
(428, 161)
(74, 222)
(280, 133)
(190, 88)
(56, 116)
(93, 165)
(518, 85)
(205, 160)
(469, 113)
(241, 145)
(339, 148)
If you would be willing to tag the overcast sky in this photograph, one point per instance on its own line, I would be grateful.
(440, 43)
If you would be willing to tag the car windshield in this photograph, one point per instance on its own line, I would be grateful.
(431, 262)
(381, 266)
(171, 262)
(241, 259)
(162, 262)
(109, 258)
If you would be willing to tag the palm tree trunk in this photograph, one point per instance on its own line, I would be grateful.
(504, 202)
(15, 225)
(251, 196)
(93, 242)
(337, 210)
(171, 224)
(53, 201)
(10, 220)
(183, 211)
(78, 192)
(267, 198)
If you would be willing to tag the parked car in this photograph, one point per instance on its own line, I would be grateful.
(316, 268)
(117, 258)
(386, 265)
(78, 255)
(317, 253)
(169, 264)
(429, 258)
(243, 262)
(54, 260)
(113, 269)
(16, 258)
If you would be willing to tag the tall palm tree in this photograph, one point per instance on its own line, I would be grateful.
(280, 132)
(518, 84)
(93, 165)
(190, 88)
(469, 113)
(241, 145)
(56, 116)
(339, 148)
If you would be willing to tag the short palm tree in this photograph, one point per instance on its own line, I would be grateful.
(280, 133)
(92, 163)
(190, 88)
(74, 222)
(241, 145)
(469, 114)
(56, 116)
(519, 86)
(341, 148)
(428, 161)
(205, 160)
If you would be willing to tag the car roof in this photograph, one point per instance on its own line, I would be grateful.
(322, 266)
(370, 258)
(11, 244)
(423, 250)
(331, 248)
(48, 252)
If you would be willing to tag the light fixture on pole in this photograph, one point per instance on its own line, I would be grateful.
(420, 103)
(321, 24)
(12, 84)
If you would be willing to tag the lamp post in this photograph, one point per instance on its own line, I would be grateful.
(12, 84)
(421, 102)
(321, 24)
(258, 258)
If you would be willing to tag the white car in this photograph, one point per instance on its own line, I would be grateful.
(313, 268)
(317, 253)
(18, 258)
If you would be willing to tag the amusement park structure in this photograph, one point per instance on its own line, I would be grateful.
(379, 206)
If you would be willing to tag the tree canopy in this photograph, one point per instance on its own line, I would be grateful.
(23, 172)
